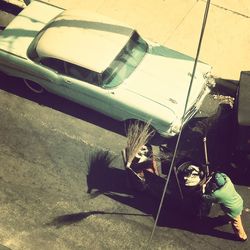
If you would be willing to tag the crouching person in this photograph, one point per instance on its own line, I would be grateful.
(143, 161)
(221, 190)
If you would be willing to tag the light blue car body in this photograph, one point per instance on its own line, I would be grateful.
(148, 83)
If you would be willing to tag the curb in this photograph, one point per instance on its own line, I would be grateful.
(19, 3)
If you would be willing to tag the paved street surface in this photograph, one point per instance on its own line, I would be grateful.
(46, 146)
(44, 157)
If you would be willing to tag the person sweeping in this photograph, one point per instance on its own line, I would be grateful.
(220, 189)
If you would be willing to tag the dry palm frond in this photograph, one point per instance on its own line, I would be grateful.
(138, 134)
(224, 100)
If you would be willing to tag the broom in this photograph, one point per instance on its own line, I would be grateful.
(138, 134)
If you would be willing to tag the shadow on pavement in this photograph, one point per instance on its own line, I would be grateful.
(104, 179)
(175, 213)
(220, 135)
(215, 226)
(69, 219)
(17, 87)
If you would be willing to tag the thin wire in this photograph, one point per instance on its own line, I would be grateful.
(182, 123)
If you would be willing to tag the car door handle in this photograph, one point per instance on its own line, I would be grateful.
(68, 81)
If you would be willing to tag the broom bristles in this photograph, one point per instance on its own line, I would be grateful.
(138, 134)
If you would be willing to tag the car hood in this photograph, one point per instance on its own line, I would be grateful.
(166, 80)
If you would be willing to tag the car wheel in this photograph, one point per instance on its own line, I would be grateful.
(34, 86)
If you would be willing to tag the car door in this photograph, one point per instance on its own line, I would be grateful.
(81, 86)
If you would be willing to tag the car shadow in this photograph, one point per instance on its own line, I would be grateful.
(17, 87)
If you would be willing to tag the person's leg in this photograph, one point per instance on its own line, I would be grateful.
(204, 208)
(238, 228)
(221, 220)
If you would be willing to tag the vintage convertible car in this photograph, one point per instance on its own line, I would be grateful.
(102, 64)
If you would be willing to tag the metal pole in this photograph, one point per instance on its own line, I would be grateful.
(178, 139)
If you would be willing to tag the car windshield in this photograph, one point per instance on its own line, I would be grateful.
(126, 62)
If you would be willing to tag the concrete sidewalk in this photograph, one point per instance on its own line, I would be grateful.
(177, 25)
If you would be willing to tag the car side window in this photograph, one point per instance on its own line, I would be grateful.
(81, 73)
(54, 64)
(71, 70)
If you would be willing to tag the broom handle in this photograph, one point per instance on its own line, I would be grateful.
(178, 182)
(124, 157)
(205, 151)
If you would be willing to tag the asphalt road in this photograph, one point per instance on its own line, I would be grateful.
(46, 147)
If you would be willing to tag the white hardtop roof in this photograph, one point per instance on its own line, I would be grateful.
(85, 39)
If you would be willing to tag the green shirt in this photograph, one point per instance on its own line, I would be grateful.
(228, 198)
